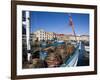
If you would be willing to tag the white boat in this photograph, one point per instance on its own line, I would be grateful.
(87, 48)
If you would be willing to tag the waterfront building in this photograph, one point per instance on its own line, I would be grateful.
(72, 38)
(59, 36)
(40, 34)
(84, 37)
(43, 35)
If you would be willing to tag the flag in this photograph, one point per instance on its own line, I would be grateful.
(70, 20)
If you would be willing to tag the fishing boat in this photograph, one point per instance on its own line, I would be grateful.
(70, 60)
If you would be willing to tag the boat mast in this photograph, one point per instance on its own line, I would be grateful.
(28, 35)
(72, 25)
(74, 32)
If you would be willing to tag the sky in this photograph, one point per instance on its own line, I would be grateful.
(59, 22)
